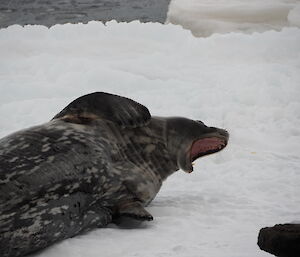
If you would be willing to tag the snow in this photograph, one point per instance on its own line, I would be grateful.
(294, 16)
(205, 17)
(246, 83)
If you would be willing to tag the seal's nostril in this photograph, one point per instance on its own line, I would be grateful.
(222, 132)
(225, 133)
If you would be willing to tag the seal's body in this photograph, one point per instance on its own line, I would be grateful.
(101, 158)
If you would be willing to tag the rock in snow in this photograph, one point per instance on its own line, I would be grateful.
(281, 240)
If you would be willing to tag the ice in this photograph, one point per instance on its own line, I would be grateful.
(205, 17)
(294, 16)
(246, 83)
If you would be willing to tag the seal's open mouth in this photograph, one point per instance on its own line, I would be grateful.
(206, 146)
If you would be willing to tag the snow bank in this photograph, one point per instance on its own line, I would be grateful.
(205, 17)
(294, 16)
(247, 84)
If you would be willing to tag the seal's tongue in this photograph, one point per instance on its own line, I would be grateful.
(206, 146)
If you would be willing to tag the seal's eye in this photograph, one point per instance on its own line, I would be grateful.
(199, 121)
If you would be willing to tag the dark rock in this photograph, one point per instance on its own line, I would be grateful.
(282, 240)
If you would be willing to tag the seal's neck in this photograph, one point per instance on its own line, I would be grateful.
(145, 148)
(164, 160)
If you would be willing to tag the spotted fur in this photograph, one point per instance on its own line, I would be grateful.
(86, 167)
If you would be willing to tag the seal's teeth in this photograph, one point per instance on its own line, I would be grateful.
(193, 163)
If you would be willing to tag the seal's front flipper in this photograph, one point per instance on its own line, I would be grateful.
(121, 110)
(134, 210)
(95, 217)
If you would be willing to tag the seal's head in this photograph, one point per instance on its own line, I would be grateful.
(187, 140)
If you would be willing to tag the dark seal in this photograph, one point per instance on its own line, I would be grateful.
(101, 158)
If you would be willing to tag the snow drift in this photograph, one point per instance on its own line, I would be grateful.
(206, 17)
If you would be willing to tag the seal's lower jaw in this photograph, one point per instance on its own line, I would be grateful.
(206, 146)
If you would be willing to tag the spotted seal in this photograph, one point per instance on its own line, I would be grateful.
(102, 157)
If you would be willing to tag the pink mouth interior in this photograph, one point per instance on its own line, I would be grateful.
(206, 146)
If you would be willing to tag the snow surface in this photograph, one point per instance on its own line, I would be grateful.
(205, 17)
(248, 84)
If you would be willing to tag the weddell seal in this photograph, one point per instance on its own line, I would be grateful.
(101, 158)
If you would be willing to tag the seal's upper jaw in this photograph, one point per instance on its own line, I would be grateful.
(209, 144)
(189, 139)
